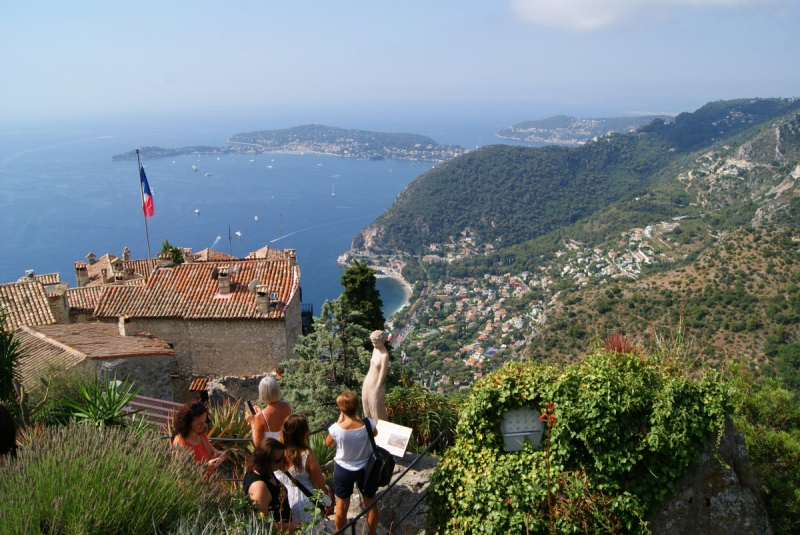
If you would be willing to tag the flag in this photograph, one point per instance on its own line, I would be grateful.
(147, 196)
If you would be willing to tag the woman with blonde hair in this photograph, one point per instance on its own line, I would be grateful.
(267, 422)
(303, 466)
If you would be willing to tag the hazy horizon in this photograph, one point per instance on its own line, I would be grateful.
(94, 60)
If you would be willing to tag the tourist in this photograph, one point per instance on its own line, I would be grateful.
(303, 465)
(8, 434)
(189, 424)
(267, 422)
(261, 486)
(353, 451)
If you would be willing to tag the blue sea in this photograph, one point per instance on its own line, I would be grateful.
(62, 197)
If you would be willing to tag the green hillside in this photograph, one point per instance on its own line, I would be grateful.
(509, 195)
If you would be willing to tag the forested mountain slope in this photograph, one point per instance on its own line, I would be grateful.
(509, 195)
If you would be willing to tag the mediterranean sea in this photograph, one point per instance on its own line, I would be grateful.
(62, 197)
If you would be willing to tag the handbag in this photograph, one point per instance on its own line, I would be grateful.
(380, 466)
(319, 501)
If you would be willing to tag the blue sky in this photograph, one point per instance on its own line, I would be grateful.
(85, 58)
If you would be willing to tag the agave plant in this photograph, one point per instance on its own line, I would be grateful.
(103, 404)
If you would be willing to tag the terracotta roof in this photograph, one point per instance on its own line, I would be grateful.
(26, 304)
(266, 252)
(142, 267)
(199, 384)
(69, 344)
(96, 270)
(38, 355)
(83, 299)
(210, 255)
(188, 291)
(44, 278)
(138, 268)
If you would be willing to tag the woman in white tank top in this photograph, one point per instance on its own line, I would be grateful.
(267, 422)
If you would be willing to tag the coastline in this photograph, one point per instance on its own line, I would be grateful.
(388, 273)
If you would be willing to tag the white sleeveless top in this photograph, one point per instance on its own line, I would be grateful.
(270, 433)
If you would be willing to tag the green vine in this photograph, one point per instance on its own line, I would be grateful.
(622, 429)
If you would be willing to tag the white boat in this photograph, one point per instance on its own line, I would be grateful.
(256, 218)
(197, 211)
(238, 233)
(194, 168)
(208, 174)
(269, 167)
(333, 193)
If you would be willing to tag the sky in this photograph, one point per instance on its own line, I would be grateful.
(90, 59)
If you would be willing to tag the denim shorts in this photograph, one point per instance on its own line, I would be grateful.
(344, 479)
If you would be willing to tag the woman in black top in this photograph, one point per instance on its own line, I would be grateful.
(263, 488)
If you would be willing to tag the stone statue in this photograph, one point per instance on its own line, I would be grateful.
(372, 394)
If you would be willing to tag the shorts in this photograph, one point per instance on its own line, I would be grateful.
(343, 480)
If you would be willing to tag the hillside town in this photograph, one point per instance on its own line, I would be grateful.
(460, 329)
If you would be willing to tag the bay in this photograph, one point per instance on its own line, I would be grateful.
(62, 197)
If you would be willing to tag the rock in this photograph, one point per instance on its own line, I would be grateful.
(401, 499)
(713, 498)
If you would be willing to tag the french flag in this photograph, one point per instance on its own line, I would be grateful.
(147, 196)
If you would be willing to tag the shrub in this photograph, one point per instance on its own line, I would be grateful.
(99, 480)
(624, 429)
(425, 412)
(769, 418)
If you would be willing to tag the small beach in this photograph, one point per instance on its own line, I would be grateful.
(396, 277)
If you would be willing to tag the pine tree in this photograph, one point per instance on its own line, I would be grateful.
(361, 295)
(331, 359)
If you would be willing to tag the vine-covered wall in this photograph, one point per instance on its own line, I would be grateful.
(622, 428)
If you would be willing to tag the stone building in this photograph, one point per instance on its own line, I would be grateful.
(227, 317)
(110, 350)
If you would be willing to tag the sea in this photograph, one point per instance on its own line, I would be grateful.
(63, 197)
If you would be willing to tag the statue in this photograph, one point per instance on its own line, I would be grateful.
(372, 394)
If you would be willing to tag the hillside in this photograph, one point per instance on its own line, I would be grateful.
(509, 195)
(707, 247)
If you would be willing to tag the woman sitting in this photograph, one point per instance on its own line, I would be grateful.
(303, 465)
(353, 450)
(261, 486)
(267, 422)
(189, 423)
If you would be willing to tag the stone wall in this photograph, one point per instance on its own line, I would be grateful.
(150, 372)
(219, 348)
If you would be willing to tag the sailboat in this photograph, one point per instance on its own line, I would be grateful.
(333, 193)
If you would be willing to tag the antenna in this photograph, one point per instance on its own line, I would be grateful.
(230, 247)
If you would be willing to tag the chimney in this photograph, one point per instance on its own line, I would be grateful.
(123, 325)
(164, 260)
(81, 274)
(224, 281)
(104, 275)
(91, 258)
(291, 254)
(126, 254)
(58, 303)
(262, 299)
(188, 255)
(29, 274)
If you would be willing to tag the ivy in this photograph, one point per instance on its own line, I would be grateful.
(622, 429)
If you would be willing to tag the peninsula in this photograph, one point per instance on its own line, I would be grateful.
(319, 139)
(565, 130)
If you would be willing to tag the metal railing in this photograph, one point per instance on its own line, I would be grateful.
(379, 497)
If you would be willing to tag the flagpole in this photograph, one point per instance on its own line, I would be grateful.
(230, 247)
(141, 190)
